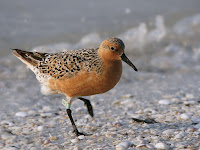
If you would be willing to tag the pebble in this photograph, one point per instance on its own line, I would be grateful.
(26, 131)
(53, 138)
(150, 110)
(81, 137)
(46, 108)
(150, 146)
(189, 96)
(40, 128)
(77, 148)
(137, 142)
(161, 146)
(185, 116)
(127, 102)
(80, 110)
(46, 115)
(180, 135)
(197, 126)
(6, 122)
(74, 141)
(21, 114)
(141, 146)
(46, 142)
(120, 147)
(31, 112)
(191, 129)
(190, 102)
(127, 96)
(168, 132)
(123, 145)
(165, 102)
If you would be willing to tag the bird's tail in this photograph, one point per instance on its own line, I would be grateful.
(29, 58)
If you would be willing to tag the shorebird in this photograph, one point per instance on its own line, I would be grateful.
(77, 73)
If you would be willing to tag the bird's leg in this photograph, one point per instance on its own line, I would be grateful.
(88, 105)
(69, 113)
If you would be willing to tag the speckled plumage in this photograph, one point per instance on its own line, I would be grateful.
(68, 64)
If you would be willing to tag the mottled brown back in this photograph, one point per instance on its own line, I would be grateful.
(64, 64)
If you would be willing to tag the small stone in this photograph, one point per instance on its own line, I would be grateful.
(6, 122)
(189, 96)
(127, 96)
(31, 112)
(195, 119)
(53, 138)
(77, 148)
(46, 142)
(80, 110)
(44, 115)
(189, 102)
(197, 126)
(123, 145)
(185, 116)
(161, 146)
(168, 132)
(21, 114)
(165, 102)
(180, 135)
(81, 137)
(127, 102)
(191, 129)
(40, 128)
(74, 141)
(150, 146)
(46, 108)
(141, 146)
(150, 110)
(137, 142)
(120, 147)
(26, 131)
(117, 102)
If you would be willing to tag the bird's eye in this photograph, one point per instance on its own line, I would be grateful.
(112, 48)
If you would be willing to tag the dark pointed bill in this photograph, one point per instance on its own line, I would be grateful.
(126, 60)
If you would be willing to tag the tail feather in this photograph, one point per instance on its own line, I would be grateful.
(29, 58)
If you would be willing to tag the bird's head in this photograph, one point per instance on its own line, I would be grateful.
(113, 49)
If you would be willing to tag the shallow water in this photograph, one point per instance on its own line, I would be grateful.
(27, 24)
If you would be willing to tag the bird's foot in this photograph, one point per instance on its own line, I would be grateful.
(77, 133)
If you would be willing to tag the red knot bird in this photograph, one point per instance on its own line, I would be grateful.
(78, 73)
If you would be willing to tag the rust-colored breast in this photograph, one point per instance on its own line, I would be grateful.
(89, 83)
